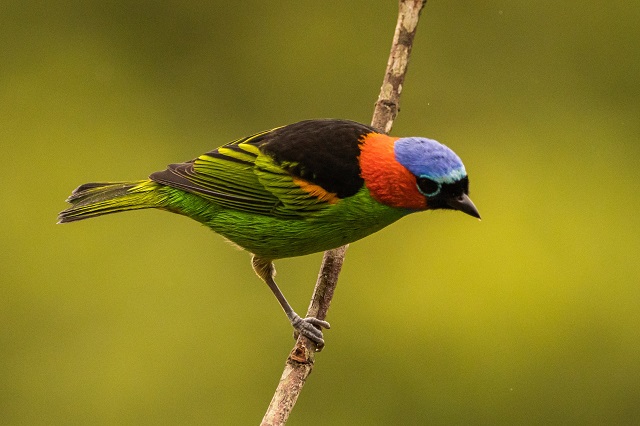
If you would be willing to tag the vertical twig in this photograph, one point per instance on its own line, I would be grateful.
(301, 359)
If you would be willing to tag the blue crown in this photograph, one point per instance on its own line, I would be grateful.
(429, 158)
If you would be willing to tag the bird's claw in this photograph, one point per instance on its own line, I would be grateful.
(311, 328)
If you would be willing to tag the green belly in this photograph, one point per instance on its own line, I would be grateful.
(348, 220)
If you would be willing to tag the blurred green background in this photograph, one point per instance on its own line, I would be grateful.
(528, 317)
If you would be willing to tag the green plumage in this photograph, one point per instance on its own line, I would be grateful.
(272, 238)
(291, 191)
(245, 195)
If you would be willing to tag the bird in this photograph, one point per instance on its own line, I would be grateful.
(294, 190)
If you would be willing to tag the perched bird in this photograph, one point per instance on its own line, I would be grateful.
(294, 190)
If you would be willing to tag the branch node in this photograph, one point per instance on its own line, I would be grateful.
(301, 354)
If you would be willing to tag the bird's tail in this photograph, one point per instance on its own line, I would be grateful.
(98, 198)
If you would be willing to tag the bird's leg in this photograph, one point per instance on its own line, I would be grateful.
(309, 327)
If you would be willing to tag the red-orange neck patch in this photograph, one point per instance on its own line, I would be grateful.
(388, 181)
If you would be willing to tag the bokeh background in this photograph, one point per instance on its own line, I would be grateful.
(528, 317)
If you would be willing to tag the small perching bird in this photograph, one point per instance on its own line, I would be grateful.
(295, 190)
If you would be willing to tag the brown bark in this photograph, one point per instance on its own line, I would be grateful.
(301, 359)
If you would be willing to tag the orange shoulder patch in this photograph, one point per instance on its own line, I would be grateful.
(316, 191)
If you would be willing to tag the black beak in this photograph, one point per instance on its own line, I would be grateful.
(464, 204)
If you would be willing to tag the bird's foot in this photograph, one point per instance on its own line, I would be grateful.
(309, 327)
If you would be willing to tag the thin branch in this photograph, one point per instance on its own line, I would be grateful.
(301, 359)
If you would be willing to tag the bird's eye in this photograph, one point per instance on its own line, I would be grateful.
(428, 187)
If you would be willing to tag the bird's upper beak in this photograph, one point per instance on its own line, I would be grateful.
(464, 204)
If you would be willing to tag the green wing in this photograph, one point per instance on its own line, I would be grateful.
(240, 176)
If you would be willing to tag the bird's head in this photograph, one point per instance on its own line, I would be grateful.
(415, 173)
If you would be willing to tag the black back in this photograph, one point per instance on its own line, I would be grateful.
(324, 152)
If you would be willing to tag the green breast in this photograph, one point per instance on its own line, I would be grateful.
(346, 221)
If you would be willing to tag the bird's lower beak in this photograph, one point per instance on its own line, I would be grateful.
(464, 204)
